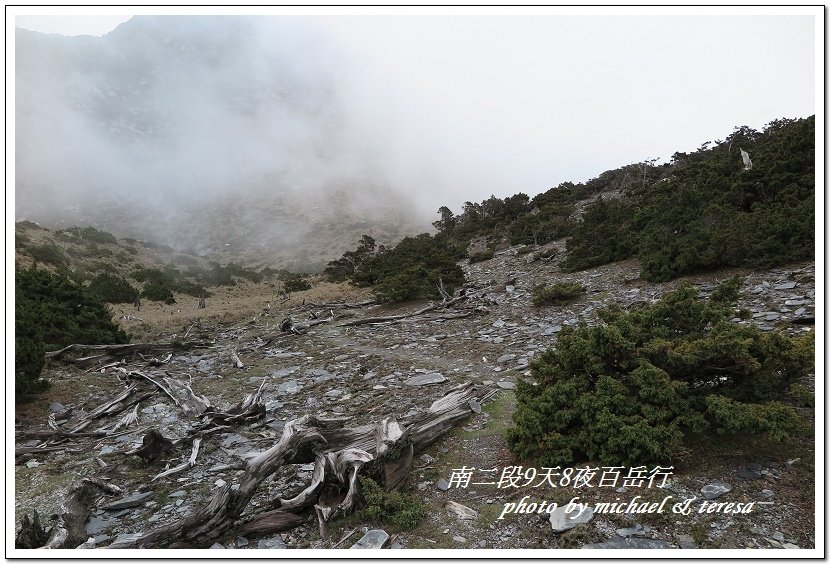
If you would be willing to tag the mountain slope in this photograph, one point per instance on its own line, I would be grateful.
(236, 125)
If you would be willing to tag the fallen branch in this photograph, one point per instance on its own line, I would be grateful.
(341, 541)
(22, 451)
(428, 308)
(113, 407)
(302, 327)
(249, 409)
(127, 420)
(340, 305)
(181, 394)
(189, 463)
(108, 353)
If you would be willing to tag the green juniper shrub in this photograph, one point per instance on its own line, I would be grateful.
(158, 292)
(91, 234)
(112, 288)
(347, 267)
(295, 282)
(48, 253)
(401, 510)
(706, 211)
(802, 396)
(160, 285)
(411, 270)
(549, 224)
(52, 311)
(191, 289)
(630, 391)
(699, 212)
(558, 294)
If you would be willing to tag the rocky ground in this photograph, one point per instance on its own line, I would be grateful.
(398, 369)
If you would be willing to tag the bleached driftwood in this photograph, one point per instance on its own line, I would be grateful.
(189, 463)
(431, 307)
(340, 454)
(181, 393)
(107, 353)
(69, 530)
(302, 327)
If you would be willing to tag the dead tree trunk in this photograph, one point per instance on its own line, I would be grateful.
(302, 327)
(69, 531)
(31, 534)
(431, 307)
(153, 445)
(111, 353)
(339, 453)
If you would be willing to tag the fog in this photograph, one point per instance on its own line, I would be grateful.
(198, 130)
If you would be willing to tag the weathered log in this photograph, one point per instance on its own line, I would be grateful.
(431, 307)
(113, 406)
(395, 470)
(219, 515)
(106, 487)
(69, 531)
(128, 420)
(57, 433)
(461, 511)
(105, 353)
(156, 361)
(21, 451)
(249, 409)
(302, 327)
(341, 305)
(269, 522)
(181, 393)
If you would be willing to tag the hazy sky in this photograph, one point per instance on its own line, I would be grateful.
(514, 103)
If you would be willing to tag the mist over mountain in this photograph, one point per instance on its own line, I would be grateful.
(248, 137)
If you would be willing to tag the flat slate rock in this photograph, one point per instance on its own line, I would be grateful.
(271, 543)
(289, 387)
(635, 543)
(560, 521)
(715, 490)
(374, 538)
(426, 379)
(56, 407)
(130, 501)
(630, 531)
(749, 474)
(97, 525)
